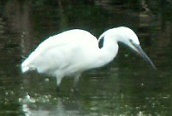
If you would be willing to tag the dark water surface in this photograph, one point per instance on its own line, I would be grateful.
(126, 87)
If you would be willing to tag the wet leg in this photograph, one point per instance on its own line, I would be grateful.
(58, 79)
(75, 84)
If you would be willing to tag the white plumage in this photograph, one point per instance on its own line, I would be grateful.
(72, 52)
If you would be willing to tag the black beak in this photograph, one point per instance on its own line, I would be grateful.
(144, 55)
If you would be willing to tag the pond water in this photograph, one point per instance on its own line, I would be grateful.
(128, 86)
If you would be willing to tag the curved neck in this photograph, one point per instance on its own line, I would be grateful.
(107, 53)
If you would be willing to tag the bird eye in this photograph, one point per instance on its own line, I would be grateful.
(131, 41)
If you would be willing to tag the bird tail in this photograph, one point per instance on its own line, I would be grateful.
(27, 65)
(24, 69)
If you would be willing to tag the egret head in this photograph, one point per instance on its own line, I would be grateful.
(128, 37)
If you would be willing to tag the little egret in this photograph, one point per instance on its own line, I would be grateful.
(72, 52)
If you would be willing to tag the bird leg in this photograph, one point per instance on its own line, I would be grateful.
(59, 92)
(58, 79)
(58, 89)
(75, 84)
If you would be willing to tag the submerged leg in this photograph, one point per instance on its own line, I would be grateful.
(58, 89)
(58, 81)
(76, 79)
(75, 84)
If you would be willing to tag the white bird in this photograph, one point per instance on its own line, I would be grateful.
(72, 52)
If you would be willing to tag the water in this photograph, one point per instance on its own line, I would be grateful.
(126, 87)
